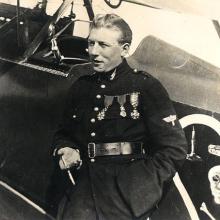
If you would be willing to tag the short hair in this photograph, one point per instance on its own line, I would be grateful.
(115, 22)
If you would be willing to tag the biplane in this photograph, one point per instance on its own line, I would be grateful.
(39, 52)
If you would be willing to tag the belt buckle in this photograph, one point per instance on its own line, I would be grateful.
(91, 150)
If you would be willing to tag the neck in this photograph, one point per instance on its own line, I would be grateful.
(113, 69)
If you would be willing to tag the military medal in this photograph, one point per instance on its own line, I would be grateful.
(107, 102)
(101, 114)
(122, 111)
(134, 102)
(121, 101)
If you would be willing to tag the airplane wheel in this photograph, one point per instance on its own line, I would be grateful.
(201, 119)
(186, 121)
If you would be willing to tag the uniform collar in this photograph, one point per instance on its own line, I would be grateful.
(120, 70)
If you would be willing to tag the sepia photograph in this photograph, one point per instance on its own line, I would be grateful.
(109, 110)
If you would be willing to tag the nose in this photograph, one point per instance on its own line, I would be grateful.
(94, 49)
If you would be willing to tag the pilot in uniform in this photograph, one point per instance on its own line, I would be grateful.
(121, 124)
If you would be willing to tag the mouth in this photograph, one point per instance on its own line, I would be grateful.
(97, 62)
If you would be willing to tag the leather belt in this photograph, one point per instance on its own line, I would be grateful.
(112, 149)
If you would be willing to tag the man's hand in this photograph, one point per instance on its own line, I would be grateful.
(69, 157)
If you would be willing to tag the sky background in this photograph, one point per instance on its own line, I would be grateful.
(191, 30)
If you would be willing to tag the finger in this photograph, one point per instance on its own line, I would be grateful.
(61, 151)
(61, 164)
(65, 163)
(64, 166)
(79, 164)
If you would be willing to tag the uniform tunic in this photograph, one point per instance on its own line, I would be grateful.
(123, 105)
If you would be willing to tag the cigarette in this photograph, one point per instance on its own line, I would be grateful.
(205, 209)
(69, 173)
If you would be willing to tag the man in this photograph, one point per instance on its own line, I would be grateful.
(121, 123)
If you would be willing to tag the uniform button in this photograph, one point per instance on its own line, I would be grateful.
(92, 120)
(74, 116)
(98, 96)
(135, 70)
(103, 86)
(96, 109)
(93, 134)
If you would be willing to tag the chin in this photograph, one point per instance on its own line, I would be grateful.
(98, 69)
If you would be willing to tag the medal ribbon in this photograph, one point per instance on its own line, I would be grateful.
(134, 102)
(107, 102)
(121, 101)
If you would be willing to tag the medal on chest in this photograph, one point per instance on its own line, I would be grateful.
(107, 102)
(134, 102)
(121, 100)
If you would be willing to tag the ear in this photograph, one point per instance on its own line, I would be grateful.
(125, 49)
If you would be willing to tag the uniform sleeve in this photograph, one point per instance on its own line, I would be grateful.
(63, 137)
(167, 139)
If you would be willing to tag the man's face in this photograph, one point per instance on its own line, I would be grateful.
(104, 49)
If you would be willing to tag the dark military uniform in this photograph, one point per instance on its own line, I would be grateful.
(120, 106)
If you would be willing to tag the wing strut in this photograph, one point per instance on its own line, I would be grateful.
(44, 31)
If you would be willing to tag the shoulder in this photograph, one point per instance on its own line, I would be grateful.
(141, 74)
(150, 85)
(145, 79)
(79, 71)
(81, 74)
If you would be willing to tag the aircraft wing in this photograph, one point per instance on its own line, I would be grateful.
(209, 9)
(188, 79)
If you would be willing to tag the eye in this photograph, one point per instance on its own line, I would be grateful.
(91, 43)
(103, 45)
